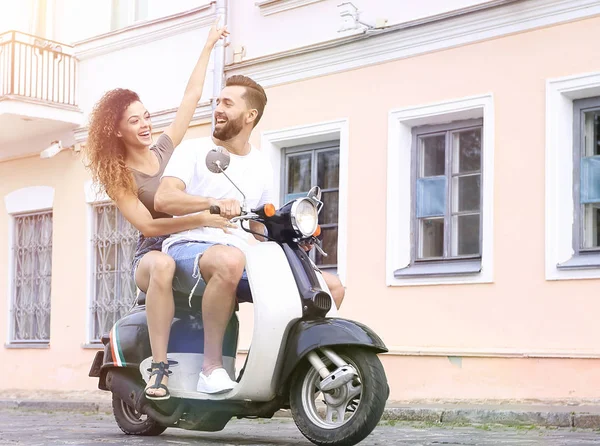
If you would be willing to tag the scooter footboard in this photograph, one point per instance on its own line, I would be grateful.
(306, 336)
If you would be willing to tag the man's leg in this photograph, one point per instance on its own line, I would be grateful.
(221, 268)
(335, 286)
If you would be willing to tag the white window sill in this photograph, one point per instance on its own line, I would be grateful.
(27, 345)
(581, 262)
(93, 346)
(440, 269)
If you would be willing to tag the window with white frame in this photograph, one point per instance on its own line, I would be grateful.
(127, 12)
(572, 245)
(31, 278)
(440, 200)
(317, 165)
(586, 178)
(113, 242)
(447, 192)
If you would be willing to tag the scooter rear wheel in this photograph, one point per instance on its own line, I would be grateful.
(132, 422)
(350, 413)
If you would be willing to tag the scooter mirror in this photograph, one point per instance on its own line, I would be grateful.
(217, 160)
(315, 193)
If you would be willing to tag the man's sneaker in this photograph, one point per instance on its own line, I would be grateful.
(217, 382)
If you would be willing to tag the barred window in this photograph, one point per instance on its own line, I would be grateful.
(32, 273)
(113, 242)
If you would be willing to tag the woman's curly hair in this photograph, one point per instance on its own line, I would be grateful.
(105, 151)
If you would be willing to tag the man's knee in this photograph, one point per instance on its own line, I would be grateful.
(226, 262)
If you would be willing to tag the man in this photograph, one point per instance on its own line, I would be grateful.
(209, 259)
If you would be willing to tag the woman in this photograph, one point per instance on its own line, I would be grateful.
(123, 160)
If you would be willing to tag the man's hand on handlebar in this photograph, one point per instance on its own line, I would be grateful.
(229, 208)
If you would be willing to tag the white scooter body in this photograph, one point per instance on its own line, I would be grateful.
(277, 306)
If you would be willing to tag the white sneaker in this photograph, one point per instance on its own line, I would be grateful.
(217, 382)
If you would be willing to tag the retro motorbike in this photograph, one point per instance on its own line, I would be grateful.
(303, 357)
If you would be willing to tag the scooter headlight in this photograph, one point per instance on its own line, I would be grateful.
(305, 217)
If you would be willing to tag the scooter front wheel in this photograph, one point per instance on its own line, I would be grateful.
(347, 414)
(132, 422)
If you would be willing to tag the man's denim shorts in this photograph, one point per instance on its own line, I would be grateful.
(187, 271)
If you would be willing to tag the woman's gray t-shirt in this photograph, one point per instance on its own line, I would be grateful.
(147, 185)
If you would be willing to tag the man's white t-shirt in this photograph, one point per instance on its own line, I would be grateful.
(252, 173)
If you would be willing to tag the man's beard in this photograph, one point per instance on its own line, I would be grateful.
(230, 130)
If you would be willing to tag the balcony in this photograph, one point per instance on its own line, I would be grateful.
(38, 100)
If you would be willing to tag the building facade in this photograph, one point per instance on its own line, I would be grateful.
(456, 143)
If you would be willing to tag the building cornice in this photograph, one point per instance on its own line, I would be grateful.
(145, 32)
(454, 29)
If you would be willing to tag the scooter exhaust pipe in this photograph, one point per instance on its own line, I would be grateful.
(126, 387)
(131, 392)
(164, 419)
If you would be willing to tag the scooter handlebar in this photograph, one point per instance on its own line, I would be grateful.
(215, 209)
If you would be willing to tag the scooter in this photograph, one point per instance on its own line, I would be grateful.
(302, 357)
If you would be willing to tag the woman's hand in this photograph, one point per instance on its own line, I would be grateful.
(216, 33)
(215, 221)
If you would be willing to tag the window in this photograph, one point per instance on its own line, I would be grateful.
(447, 192)
(586, 178)
(114, 242)
(440, 194)
(571, 113)
(127, 12)
(317, 165)
(31, 278)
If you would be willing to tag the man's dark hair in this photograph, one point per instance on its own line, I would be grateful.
(254, 96)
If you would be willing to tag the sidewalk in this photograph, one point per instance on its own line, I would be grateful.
(578, 414)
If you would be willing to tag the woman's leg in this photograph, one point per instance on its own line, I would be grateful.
(154, 275)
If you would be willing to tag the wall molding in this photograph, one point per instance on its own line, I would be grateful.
(29, 199)
(162, 119)
(145, 32)
(500, 353)
(269, 7)
(436, 33)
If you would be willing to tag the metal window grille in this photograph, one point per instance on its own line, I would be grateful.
(114, 290)
(32, 273)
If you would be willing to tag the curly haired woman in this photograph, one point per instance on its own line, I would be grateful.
(125, 162)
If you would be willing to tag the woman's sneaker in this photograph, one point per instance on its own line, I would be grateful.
(217, 382)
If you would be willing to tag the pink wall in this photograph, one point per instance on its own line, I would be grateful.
(520, 311)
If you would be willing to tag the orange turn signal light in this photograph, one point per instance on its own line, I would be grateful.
(317, 231)
(269, 210)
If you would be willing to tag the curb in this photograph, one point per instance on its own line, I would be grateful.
(582, 420)
(53, 405)
(531, 417)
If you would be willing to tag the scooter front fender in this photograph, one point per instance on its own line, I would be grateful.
(307, 335)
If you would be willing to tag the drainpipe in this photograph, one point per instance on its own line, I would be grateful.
(219, 60)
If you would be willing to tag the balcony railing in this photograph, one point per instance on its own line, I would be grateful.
(36, 68)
